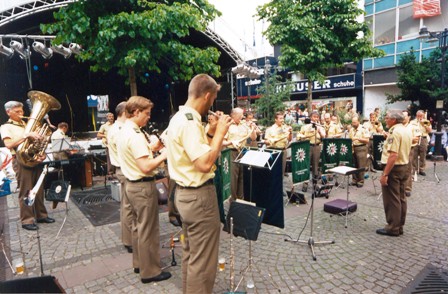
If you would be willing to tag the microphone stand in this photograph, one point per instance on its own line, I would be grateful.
(310, 240)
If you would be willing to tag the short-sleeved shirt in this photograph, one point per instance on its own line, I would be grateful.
(57, 135)
(398, 141)
(279, 133)
(414, 131)
(186, 141)
(236, 134)
(13, 130)
(309, 132)
(421, 131)
(103, 130)
(372, 128)
(359, 133)
(332, 129)
(112, 134)
(131, 145)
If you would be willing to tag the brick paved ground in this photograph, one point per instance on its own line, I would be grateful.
(88, 259)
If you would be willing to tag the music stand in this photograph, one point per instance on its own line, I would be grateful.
(257, 159)
(346, 171)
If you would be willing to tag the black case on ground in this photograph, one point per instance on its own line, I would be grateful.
(339, 206)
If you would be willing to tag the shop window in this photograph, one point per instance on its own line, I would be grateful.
(369, 22)
(385, 27)
(408, 27)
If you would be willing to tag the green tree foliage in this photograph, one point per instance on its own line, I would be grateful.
(419, 82)
(272, 98)
(138, 36)
(316, 35)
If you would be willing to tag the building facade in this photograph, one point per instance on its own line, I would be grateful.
(395, 26)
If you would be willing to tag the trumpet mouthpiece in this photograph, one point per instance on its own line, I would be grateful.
(213, 113)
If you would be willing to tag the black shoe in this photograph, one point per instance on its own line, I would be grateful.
(386, 233)
(136, 270)
(128, 248)
(359, 185)
(47, 220)
(175, 223)
(422, 173)
(162, 277)
(30, 227)
(408, 194)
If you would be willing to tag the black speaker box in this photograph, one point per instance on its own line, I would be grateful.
(44, 284)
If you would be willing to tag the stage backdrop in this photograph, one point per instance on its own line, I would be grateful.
(336, 152)
(267, 189)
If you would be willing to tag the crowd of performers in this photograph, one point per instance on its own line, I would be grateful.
(188, 149)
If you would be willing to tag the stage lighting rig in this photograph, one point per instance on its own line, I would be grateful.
(75, 48)
(20, 49)
(8, 52)
(64, 51)
(39, 47)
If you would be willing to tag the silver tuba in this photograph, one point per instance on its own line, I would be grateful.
(29, 152)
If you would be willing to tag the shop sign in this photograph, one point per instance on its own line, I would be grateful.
(331, 83)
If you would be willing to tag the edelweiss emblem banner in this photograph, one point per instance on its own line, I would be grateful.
(300, 161)
(335, 152)
(378, 142)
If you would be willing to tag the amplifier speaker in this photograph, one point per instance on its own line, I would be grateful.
(44, 284)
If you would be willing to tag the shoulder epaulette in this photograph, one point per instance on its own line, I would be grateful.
(189, 116)
(137, 130)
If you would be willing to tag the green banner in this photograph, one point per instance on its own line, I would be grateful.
(377, 149)
(300, 161)
(222, 180)
(336, 152)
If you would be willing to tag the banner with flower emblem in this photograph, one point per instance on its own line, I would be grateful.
(300, 161)
(336, 152)
(377, 148)
(222, 180)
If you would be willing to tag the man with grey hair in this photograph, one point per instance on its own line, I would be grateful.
(395, 159)
(13, 134)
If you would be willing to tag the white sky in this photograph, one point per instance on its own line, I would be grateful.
(238, 26)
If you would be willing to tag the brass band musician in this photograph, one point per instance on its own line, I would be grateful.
(424, 129)
(414, 131)
(315, 133)
(374, 126)
(332, 130)
(237, 136)
(278, 136)
(360, 138)
(13, 134)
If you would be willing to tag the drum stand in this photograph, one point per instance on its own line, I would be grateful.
(311, 241)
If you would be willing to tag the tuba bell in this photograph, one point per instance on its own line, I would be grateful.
(425, 123)
(29, 152)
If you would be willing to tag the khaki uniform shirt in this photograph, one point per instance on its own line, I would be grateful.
(414, 131)
(332, 130)
(186, 141)
(359, 133)
(398, 141)
(308, 132)
(277, 136)
(13, 130)
(131, 145)
(57, 135)
(372, 129)
(421, 131)
(103, 130)
(237, 135)
(112, 136)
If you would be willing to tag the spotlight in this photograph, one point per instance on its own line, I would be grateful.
(62, 50)
(75, 48)
(8, 52)
(19, 48)
(39, 47)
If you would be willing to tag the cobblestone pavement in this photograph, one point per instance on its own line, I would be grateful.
(88, 259)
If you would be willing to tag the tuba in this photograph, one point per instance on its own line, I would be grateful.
(425, 123)
(29, 152)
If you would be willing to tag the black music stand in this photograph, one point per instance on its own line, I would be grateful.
(257, 159)
(346, 171)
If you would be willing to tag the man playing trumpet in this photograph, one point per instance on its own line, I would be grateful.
(424, 129)
(236, 138)
(278, 136)
(332, 130)
(315, 133)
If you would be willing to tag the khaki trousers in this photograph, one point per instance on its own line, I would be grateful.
(420, 150)
(126, 216)
(360, 161)
(408, 187)
(315, 157)
(143, 199)
(236, 177)
(28, 178)
(394, 198)
(199, 212)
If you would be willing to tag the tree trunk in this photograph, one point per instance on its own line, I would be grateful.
(309, 99)
(132, 81)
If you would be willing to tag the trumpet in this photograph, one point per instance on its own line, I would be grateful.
(376, 124)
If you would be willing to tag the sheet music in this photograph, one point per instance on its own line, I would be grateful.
(255, 158)
(342, 170)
